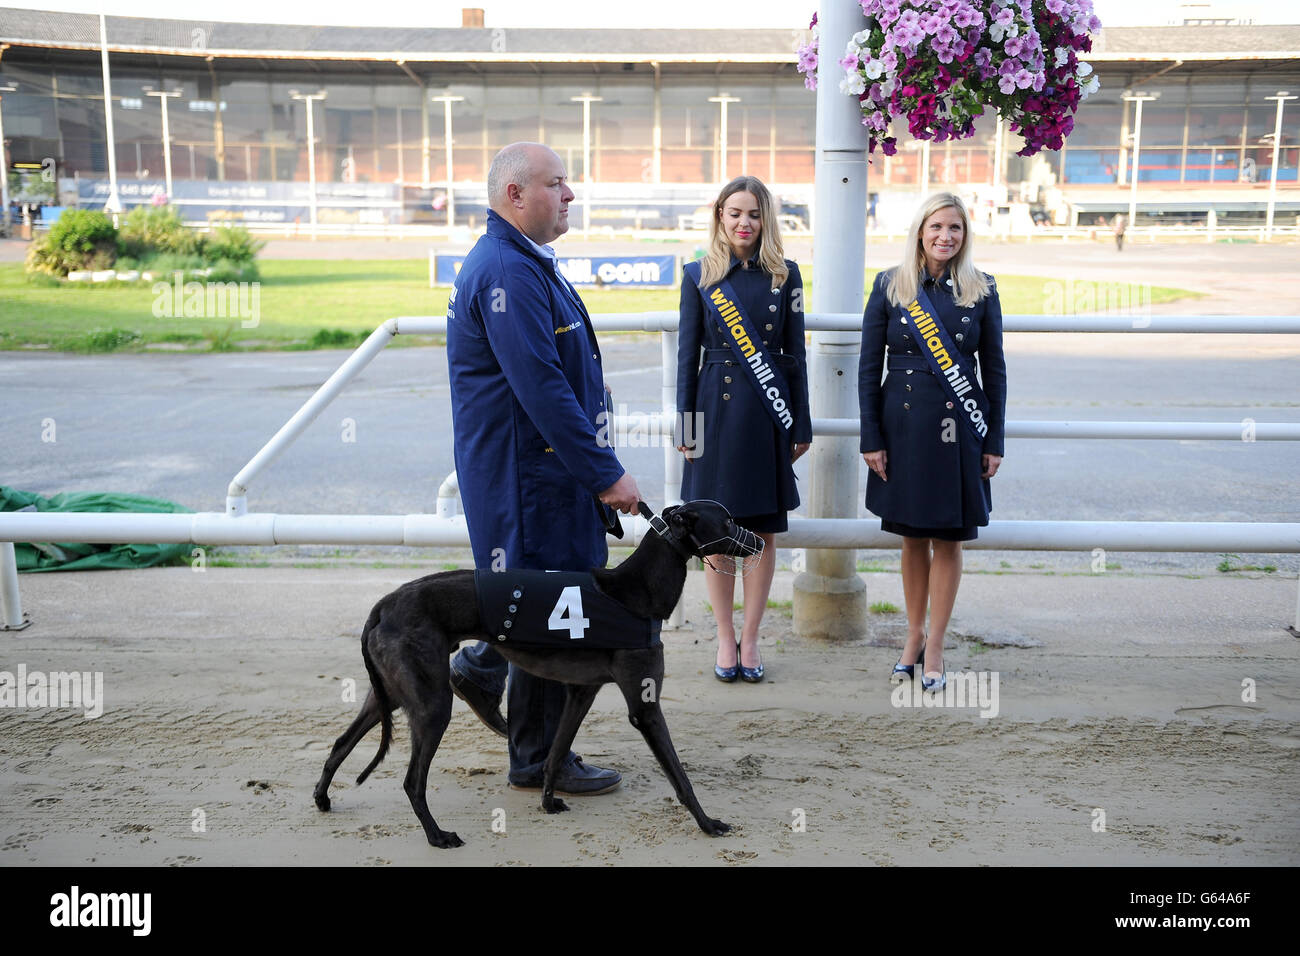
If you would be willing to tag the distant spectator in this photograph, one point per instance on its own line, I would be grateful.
(1118, 225)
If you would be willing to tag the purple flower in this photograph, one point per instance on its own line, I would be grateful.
(945, 34)
(983, 57)
(1006, 84)
(849, 61)
(1023, 78)
(1014, 46)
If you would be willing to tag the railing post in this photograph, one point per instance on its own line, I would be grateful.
(673, 464)
(10, 600)
(830, 599)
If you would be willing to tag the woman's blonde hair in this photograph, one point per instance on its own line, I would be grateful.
(969, 285)
(771, 255)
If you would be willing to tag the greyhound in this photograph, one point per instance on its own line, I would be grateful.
(411, 632)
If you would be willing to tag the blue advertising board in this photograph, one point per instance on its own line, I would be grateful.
(620, 271)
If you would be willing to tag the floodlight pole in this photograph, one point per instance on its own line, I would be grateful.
(5, 87)
(310, 99)
(446, 100)
(586, 99)
(114, 205)
(1139, 99)
(722, 99)
(1281, 97)
(163, 96)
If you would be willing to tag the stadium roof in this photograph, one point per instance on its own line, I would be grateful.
(208, 38)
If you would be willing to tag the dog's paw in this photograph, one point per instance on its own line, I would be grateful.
(555, 806)
(445, 840)
(322, 802)
(716, 827)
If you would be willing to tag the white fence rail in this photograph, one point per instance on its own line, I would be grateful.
(239, 527)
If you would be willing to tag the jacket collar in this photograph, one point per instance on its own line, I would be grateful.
(733, 263)
(499, 227)
(944, 281)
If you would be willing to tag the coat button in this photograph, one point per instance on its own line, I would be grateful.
(965, 318)
(960, 336)
(518, 593)
(508, 623)
(719, 328)
(907, 336)
(727, 379)
(513, 608)
(910, 371)
(903, 321)
(776, 291)
(769, 327)
(595, 356)
(906, 406)
(501, 637)
(948, 404)
(729, 362)
(726, 396)
(772, 307)
(908, 387)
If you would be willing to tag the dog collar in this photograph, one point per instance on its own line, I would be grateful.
(660, 527)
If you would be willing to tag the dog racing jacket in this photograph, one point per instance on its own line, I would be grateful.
(557, 609)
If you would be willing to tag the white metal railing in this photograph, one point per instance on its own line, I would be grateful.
(238, 527)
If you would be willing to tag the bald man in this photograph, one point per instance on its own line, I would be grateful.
(527, 387)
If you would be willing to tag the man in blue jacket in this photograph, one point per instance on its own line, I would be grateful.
(526, 389)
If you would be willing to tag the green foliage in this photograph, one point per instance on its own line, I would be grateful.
(107, 340)
(234, 243)
(80, 239)
(884, 607)
(227, 270)
(151, 230)
(334, 339)
(169, 262)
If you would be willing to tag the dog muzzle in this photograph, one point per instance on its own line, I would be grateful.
(737, 554)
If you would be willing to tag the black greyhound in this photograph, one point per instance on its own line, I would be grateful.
(411, 632)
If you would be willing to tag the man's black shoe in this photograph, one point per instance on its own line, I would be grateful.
(576, 780)
(485, 707)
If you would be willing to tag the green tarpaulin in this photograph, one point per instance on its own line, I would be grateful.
(91, 557)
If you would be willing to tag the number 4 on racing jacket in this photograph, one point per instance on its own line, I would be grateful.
(557, 609)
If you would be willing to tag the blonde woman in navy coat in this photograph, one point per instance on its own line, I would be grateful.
(751, 428)
(929, 479)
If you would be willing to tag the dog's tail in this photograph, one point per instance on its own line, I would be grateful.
(381, 698)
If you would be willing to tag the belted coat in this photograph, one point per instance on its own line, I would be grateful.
(528, 407)
(933, 460)
(743, 457)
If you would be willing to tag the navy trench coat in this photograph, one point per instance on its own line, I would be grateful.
(527, 405)
(744, 458)
(933, 467)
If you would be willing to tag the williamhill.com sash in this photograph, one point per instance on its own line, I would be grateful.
(744, 340)
(945, 362)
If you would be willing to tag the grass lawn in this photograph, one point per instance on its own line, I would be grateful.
(309, 304)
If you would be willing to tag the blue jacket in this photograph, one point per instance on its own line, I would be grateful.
(933, 467)
(527, 387)
(744, 460)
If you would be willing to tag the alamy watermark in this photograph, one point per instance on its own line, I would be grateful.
(208, 300)
(25, 689)
(1085, 297)
(965, 689)
(627, 429)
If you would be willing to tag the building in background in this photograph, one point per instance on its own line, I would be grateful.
(654, 101)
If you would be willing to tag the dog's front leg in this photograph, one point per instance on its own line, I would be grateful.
(647, 716)
(577, 701)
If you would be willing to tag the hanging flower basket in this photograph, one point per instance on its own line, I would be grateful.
(939, 63)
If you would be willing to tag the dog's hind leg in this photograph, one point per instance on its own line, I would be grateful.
(429, 717)
(365, 720)
(643, 710)
(577, 701)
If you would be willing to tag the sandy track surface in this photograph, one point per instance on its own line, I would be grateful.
(224, 692)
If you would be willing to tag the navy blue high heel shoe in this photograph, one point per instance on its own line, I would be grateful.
(751, 675)
(903, 671)
(934, 685)
(728, 674)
